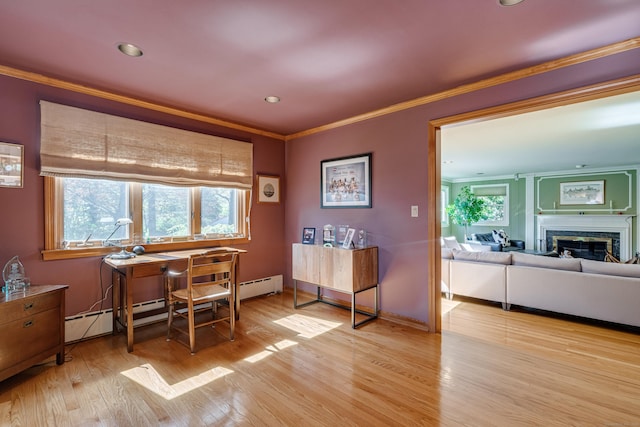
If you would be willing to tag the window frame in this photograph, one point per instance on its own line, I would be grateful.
(444, 201)
(54, 227)
(505, 210)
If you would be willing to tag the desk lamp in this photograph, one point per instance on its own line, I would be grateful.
(123, 254)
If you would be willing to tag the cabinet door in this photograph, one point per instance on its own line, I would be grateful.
(338, 271)
(365, 271)
(306, 263)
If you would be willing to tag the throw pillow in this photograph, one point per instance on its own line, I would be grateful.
(451, 242)
(501, 237)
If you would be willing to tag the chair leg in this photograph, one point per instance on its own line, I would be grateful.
(192, 328)
(214, 310)
(232, 319)
(169, 321)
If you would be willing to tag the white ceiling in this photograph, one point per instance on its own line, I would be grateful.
(602, 133)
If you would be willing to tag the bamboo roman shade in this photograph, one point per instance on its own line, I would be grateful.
(85, 144)
(489, 190)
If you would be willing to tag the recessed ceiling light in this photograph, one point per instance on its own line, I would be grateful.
(509, 2)
(130, 49)
(272, 99)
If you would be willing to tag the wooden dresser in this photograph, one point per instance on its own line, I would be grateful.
(31, 327)
(349, 271)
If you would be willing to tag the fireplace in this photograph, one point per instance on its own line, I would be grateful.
(594, 248)
(586, 236)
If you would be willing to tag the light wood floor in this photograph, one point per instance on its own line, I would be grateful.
(307, 367)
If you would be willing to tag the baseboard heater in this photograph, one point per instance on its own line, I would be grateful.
(98, 323)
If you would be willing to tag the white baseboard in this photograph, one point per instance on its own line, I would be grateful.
(98, 323)
(268, 285)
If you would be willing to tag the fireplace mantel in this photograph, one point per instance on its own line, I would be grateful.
(595, 223)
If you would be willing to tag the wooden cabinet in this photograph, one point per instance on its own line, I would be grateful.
(31, 328)
(344, 270)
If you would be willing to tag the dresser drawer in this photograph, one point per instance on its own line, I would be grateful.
(26, 337)
(24, 307)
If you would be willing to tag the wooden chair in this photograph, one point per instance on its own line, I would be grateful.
(210, 278)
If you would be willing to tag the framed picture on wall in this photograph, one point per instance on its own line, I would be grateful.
(11, 165)
(268, 189)
(346, 182)
(582, 193)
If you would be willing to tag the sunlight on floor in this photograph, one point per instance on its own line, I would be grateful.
(307, 327)
(270, 350)
(149, 378)
(447, 305)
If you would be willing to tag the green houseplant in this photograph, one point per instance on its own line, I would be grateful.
(466, 209)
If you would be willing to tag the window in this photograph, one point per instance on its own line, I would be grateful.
(444, 201)
(86, 211)
(180, 189)
(496, 197)
(166, 211)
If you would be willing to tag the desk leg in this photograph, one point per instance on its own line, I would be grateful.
(115, 300)
(237, 286)
(237, 301)
(129, 307)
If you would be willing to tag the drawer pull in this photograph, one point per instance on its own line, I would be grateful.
(28, 306)
(27, 324)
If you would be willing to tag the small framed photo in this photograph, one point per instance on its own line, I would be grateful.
(308, 236)
(268, 188)
(346, 182)
(11, 165)
(348, 241)
(582, 193)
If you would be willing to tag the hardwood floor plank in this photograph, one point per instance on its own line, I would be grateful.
(308, 367)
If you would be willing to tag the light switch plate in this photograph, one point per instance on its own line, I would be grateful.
(414, 211)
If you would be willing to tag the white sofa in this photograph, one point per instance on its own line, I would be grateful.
(447, 244)
(579, 287)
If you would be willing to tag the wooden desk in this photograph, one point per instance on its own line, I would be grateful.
(144, 266)
(349, 271)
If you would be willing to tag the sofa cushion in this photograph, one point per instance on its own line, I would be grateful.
(528, 260)
(500, 236)
(451, 242)
(445, 253)
(488, 257)
(610, 268)
(472, 246)
(483, 237)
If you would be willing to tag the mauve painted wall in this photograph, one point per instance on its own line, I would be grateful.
(21, 210)
(397, 141)
(399, 172)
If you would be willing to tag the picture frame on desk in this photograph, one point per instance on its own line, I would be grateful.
(348, 240)
(308, 236)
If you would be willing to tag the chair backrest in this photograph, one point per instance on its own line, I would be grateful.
(215, 267)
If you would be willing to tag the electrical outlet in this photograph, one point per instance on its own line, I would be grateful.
(414, 211)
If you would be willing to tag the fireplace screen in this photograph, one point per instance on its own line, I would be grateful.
(594, 248)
